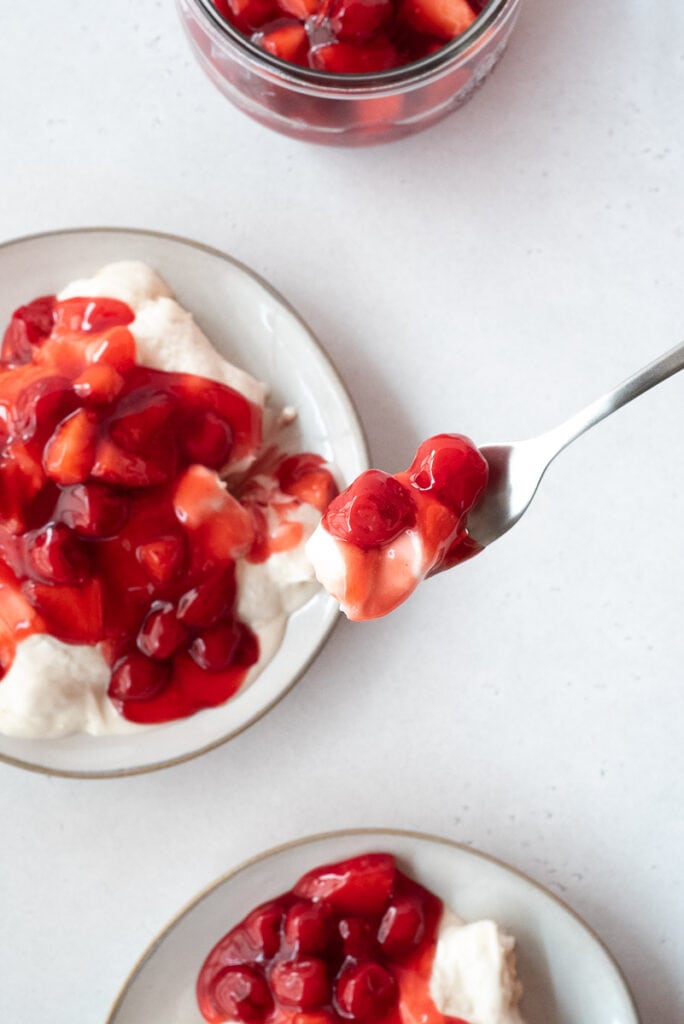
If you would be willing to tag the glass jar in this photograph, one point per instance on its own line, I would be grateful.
(346, 109)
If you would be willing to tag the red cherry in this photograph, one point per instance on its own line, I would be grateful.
(263, 929)
(28, 327)
(361, 885)
(301, 983)
(55, 555)
(92, 510)
(308, 927)
(207, 440)
(358, 938)
(402, 927)
(365, 991)
(202, 605)
(136, 677)
(450, 467)
(215, 648)
(373, 511)
(238, 993)
(41, 405)
(161, 634)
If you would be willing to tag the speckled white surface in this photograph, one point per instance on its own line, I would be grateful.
(488, 276)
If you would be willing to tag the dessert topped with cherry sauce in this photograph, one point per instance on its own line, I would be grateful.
(359, 941)
(151, 536)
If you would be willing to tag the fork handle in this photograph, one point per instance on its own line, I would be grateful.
(643, 380)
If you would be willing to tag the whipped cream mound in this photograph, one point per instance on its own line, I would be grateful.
(55, 689)
(387, 577)
(166, 335)
(473, 973)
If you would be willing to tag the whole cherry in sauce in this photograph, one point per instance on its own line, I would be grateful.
(115, 527)
(348, 943)
(373, 511)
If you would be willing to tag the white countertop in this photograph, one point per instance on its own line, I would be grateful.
(489, 276)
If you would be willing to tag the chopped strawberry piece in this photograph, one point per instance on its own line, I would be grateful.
(358, 19)
(91, 315)
(285, 39)
(201, 502)
(249, 15)
(362, 885)
(301, 9)
(21, 480)
(69, 455)
(98, 384)
(115, 347)
(126, 469)
(72, 614)
(446, 19)
(163, 559)
(378, 54)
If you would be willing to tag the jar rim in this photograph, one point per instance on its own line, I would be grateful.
(343, 82)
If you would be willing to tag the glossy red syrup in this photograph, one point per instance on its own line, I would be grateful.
(352, 941)
(350, 36)
(115, 527)
(432, 499)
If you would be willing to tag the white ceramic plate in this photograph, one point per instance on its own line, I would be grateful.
(254, 327)
(569, 976)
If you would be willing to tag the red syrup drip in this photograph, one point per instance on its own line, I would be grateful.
(115, 527)
(350, 942)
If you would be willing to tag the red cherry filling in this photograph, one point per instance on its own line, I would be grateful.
(373, 511)
(115, 528)
(308, 960)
